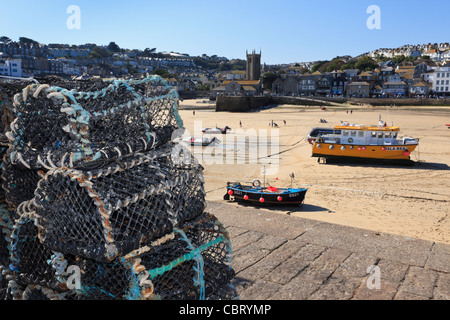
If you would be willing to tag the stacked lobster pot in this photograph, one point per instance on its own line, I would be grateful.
(99, 203)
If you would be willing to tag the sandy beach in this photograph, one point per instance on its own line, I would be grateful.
(408, 201)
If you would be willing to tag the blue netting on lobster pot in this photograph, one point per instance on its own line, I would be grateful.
(29, 257)
(57, 127)
(102, 214)
(191, 263)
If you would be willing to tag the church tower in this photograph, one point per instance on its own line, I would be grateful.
(253, 71)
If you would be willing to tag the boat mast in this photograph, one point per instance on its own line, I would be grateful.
(292, 177)
(264, 173)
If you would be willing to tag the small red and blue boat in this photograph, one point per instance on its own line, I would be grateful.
(256, 194)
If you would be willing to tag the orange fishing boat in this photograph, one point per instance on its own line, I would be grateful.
(361, 142)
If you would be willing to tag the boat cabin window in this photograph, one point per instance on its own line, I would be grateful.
(374, 134)
(394, 135)
(387, 135)
(380, 134)
(361, 134)
(353, 133)
(345, 133)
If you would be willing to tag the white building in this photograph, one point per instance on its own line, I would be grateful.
(11, 68)
(235, 75)
(446, 56)
(440, 79)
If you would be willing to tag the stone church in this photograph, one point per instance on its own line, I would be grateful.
(253, 71)
(252, 84)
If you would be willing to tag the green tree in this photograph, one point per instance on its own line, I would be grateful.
(149, 52)
(328, 66)
(239, 64)
(268, 78)
(24, 40)
(98, 52)
(381, 58)
(113, 47)
(203, 87)
(5, 39)
(303, 70)
(226, 66)
(349, 65)
(163, 73)
(366, 63)
(318, 65)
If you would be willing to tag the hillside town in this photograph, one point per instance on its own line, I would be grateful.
(407, 71)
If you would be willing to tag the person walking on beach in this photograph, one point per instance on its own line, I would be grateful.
(240, 123)
(284, 121)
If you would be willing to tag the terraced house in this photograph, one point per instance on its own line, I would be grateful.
(358, 89)
(441, 81)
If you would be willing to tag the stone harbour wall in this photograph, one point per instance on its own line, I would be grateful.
(248, 103)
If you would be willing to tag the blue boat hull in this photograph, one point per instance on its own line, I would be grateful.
(285, 196)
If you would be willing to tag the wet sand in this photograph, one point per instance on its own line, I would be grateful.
(407, 201)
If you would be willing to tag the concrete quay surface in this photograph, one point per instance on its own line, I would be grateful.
(281, 257)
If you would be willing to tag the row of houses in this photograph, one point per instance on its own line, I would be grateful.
(437, 52)
(405, 81)
(64, 60)
(387, 81)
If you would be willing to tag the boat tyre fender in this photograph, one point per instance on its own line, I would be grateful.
(256, 183)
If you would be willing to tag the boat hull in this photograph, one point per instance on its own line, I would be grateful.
(369, 152)
(200, 142)
(214, 131)
(270, 198)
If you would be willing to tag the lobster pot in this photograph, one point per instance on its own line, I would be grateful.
(38, 292)
(4, 283)
(18, 183)
(32, 273)
(29, 257)
(109, 212)
(3, 151)
(195, 265)
(57, 127)
(193, 262)
(6, 225)
(190, 263)
(9, 88)
(7, 91)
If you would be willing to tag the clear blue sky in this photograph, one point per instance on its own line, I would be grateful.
(285, 30)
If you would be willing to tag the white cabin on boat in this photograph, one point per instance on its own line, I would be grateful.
(367, 135)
